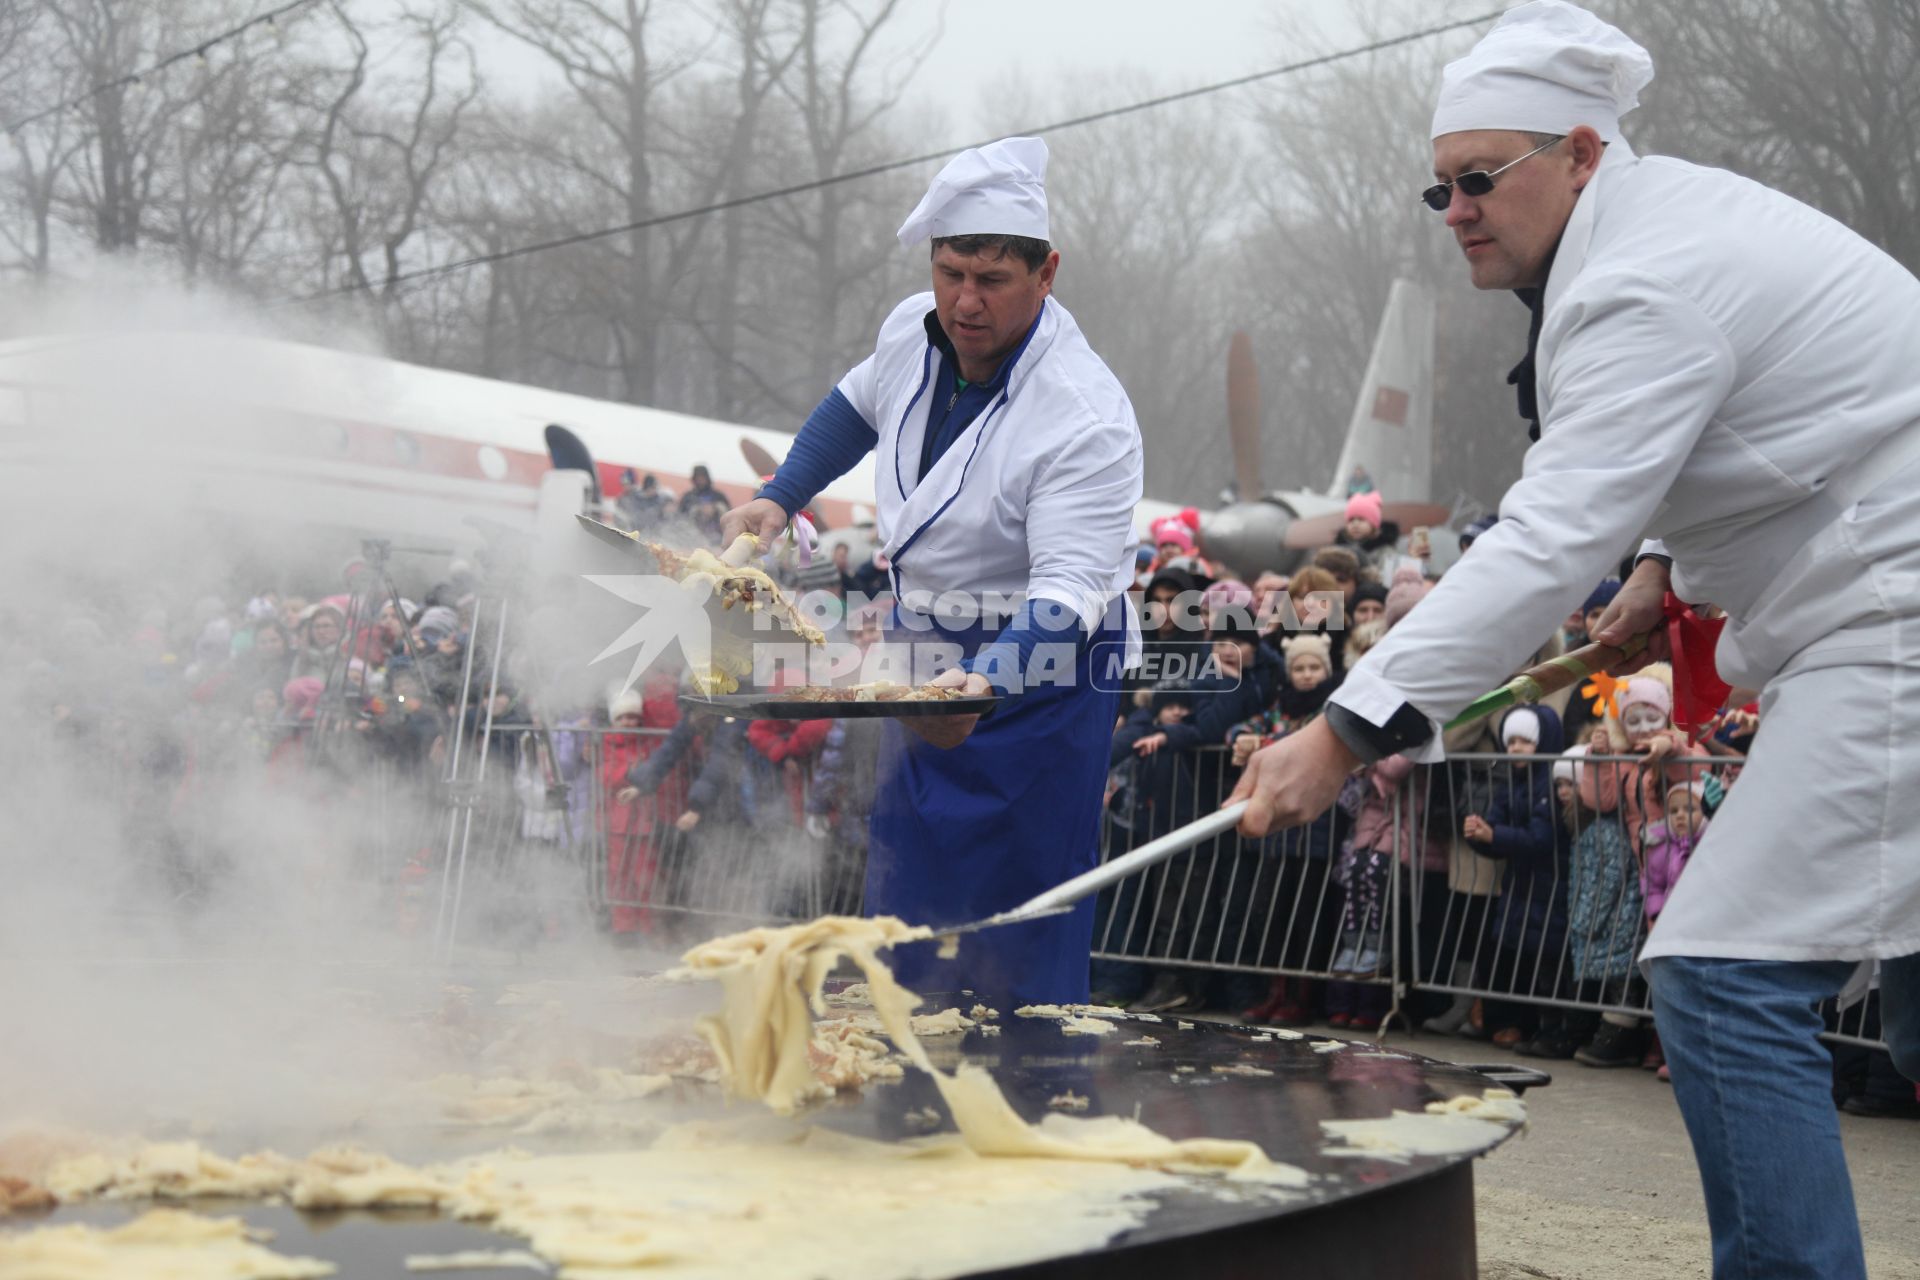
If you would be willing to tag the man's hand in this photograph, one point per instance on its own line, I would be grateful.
(626, 795)
(1639, 609)
(764, 518)
(948, 732)
(1295, 780)
(1150, 744)
(687, 821)
(1476, 828)
(1244, 745)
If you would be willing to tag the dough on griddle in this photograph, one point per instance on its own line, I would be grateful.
(161, 1244)
(771, 977)
(771, 982)
(331, 1178)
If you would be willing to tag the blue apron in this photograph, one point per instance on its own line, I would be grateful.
(1015, 809)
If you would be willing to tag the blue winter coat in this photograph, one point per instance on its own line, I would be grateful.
(1531, 913)
(733, 782)
(1159, 790)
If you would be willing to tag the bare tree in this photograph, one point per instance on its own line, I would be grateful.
(230, 150)
(377, 159)
(128, 123)
(1820, 100)
(608, 54)
(842, 100)
(1144, 210)
(32, 74)
(1342, 154)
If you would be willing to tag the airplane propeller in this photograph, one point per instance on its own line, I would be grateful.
(757, 457)
(569, 453)
(1243, 417)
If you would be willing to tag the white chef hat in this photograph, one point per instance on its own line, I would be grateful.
(999, 189)
(1545, 67)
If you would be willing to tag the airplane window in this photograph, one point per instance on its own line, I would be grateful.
(407, 447)
(493, 463)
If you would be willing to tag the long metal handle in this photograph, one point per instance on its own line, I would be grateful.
(1140, 859)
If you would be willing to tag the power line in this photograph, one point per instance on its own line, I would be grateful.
(890, 166)
(134, 77)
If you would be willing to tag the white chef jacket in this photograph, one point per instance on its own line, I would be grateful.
(1036, 496)
(1730, 371)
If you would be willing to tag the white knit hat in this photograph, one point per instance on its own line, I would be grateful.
(1308, 644)
(1521, 722)
(1567, 766)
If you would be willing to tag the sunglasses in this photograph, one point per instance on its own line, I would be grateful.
(1478, 182)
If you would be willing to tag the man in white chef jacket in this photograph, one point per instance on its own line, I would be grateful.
(1720, 368)
(1007, 465)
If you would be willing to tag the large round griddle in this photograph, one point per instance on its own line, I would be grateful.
(1362, 1216)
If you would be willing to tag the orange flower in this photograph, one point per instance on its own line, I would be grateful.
(1605, 692)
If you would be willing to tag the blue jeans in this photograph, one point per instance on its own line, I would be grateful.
(1754, 1084)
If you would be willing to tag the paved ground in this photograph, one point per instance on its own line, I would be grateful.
(1603, 1183)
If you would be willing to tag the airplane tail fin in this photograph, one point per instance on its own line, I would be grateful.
(1390, 435)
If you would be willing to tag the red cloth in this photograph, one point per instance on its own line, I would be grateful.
(1698, 690)
(633, 838)
(794, 743)
(781, 740)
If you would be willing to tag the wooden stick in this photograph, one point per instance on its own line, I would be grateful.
(1549, 677)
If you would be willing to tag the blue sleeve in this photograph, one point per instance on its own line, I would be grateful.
(1526, 840)
(824, 790)
(1215, 716)
(726, 755)
(648, 774)
(831, 444)
(1137, 726)
(1008, 662)
(1184, 736)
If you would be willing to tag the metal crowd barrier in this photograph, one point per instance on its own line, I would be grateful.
(523, 831)
(1547, 915)
(1269, 907)
(556, 830)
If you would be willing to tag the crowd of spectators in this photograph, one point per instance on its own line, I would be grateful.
(1518, 877)
(358, 695)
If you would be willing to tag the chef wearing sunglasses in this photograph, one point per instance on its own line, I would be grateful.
(1718, 367)
(1507, 236)
(1474, 182)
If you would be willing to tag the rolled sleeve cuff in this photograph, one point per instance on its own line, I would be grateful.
(1654, 549)
(1375, 721)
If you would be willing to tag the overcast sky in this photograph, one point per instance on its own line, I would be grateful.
(983, 41)
(1178, 45)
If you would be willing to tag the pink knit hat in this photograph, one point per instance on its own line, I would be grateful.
(1173, 529)
(302, 695)
(1646, 691)
(1366, 506)
(1228, 592)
